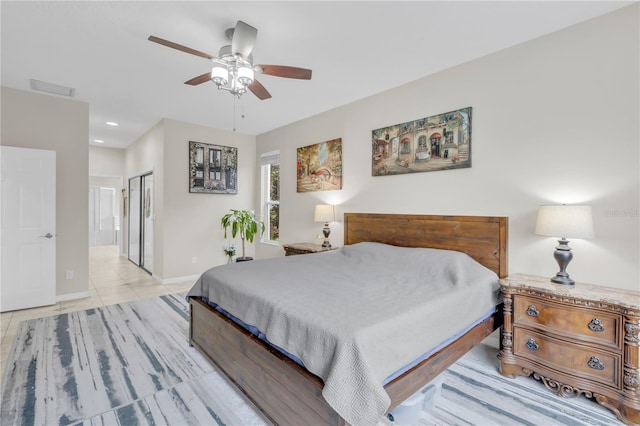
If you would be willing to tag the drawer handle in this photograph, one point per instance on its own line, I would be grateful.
(532, 345)
(532, 311)
(595, 363)
(596, 325)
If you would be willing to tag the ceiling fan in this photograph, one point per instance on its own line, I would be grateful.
(233, 69)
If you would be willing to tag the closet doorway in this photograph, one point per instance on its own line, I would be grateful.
(141, 218)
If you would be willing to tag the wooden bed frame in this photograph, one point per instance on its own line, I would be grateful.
(288, 394)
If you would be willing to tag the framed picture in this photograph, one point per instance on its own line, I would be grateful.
(320, 166)
(213, 169)
(439, 142)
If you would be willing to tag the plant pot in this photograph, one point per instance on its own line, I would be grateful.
(243, 259)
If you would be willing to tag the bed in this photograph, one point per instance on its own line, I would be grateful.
(285, 391)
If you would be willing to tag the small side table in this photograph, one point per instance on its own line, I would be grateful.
(304, 248)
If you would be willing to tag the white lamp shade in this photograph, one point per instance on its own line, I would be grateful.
(325, 213)
(245, 75)
(219, 75)
(565, 221)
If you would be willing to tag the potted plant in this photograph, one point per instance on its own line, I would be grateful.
(230, 251)
(244, 223)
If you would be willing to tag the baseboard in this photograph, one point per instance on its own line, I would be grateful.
(72, 296)
(176, 279)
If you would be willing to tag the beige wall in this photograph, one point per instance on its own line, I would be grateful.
(555, 120)
(106, 161)
(192, 221)
(32, 120)
(188, 225)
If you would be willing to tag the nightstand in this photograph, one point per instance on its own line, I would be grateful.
(581, 339)
(304, 248)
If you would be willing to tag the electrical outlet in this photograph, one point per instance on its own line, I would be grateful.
(194, 259)
(69, 275)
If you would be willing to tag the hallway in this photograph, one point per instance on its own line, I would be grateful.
(115, 279)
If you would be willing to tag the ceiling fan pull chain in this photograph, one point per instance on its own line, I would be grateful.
(234, 113)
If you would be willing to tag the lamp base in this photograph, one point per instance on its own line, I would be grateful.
(563, 256)
(326, 231)
(562, 279)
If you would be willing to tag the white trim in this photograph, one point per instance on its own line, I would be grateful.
(271, 157)
(98, 175)
(176, 279)
(72, 296)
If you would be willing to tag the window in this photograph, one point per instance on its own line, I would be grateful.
(270, 195)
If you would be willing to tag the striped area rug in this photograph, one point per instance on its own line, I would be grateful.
(131, 364)
(472, 392)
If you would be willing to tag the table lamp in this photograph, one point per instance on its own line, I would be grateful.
(564, 221)
(325, 213)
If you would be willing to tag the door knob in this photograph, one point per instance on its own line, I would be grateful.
(48, 235)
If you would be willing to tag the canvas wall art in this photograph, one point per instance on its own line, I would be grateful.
(320, 166)
(439, 142)
(213, 169)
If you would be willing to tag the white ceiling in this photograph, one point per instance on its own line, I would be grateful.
(355, 49)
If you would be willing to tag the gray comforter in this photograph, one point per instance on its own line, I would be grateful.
(357, 314)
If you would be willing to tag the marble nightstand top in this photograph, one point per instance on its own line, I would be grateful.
(609, 295)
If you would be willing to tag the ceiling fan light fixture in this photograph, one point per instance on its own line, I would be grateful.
(245, 75)
(219, 75)
(233, 74)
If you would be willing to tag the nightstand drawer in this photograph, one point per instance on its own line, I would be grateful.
(599, 328)
(580, 361)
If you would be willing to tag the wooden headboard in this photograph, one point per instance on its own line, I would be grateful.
(484, 238)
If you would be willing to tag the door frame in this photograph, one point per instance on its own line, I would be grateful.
(120, 233)
(140, 202)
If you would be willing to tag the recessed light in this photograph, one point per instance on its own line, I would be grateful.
(98, 141)
(112, 123)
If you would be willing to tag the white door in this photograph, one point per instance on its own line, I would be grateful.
(28, 247)
(106, 214)
(101, 216)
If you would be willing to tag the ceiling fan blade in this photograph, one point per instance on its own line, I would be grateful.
(258, 89)
(180, 47)
(244, 37)
(199, 79)
(286, 72)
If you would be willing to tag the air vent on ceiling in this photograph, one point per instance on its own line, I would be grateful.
(56, 89)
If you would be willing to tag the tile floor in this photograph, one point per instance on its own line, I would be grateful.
(112, 279)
